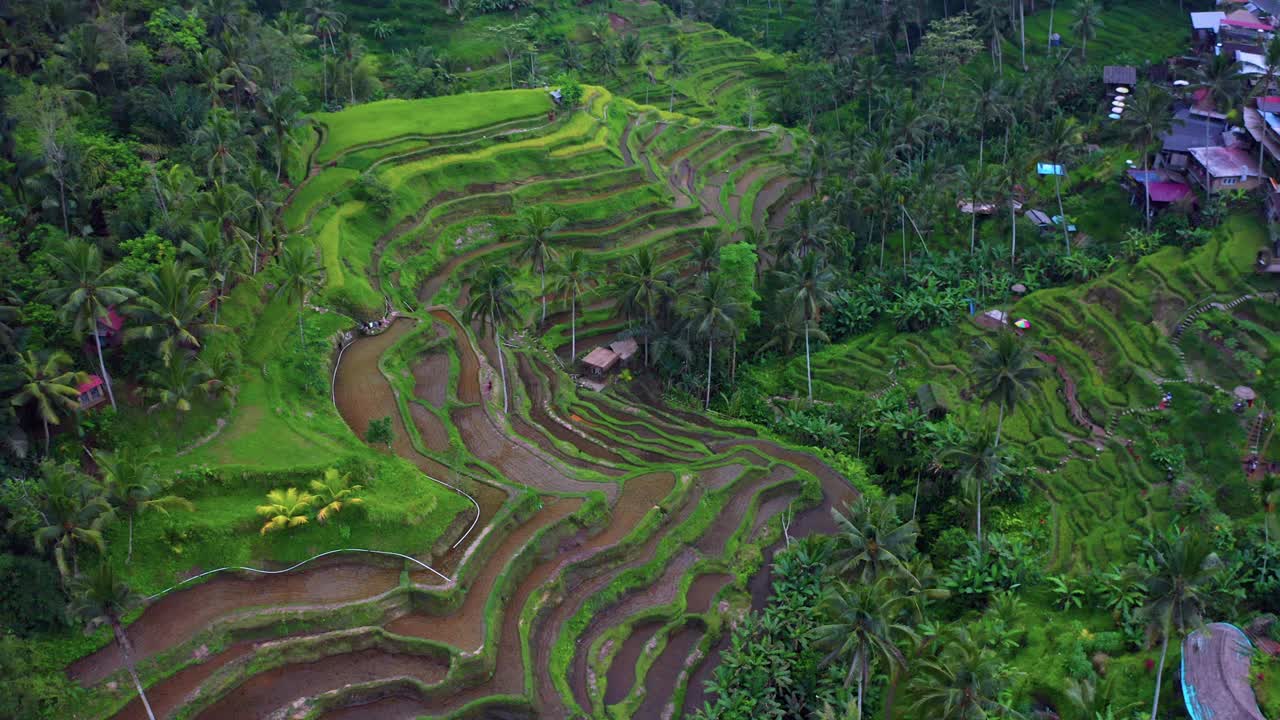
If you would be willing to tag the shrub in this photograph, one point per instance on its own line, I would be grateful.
(32, 601)
(380, 432)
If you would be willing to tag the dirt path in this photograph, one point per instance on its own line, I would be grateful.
(1073, 403)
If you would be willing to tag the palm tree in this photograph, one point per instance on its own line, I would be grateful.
(1063, 136)
(132, 487)
(1004, 375)
(333, 492)
(494, 303)
(807, 285)
(704, 253)
(976, 460)
(72, 512)
(865, 625)
(963, 681)
(535, 227)
(1178, 586)
(382, 29)
(643, 285)
(1223, 84)
(218, 259)
(1147, 119)
(47, 385)
(102, 599)
(261, 206)
(175, 385)
(808, 228)
(301, 272)
(713, 310)
(83, 291)
(788, 328)
(282, 112)
(975, 183)
(1270, 73)
(285, 509)
(573, 279)
(872, 542)
(1088, 20)
(676, 58)
(173, 299)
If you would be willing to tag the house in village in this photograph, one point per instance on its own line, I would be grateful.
(1165, 189)
(1189, 131)
(1119, 76)
(92, 392)
(601, 360)
(110, 329)
(1216, 169)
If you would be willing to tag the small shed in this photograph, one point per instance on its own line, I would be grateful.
(91, 392)
(556, 96)
(1120, 75)
(993, 320)
(625, 349)
(601, 360)
(1039, 218)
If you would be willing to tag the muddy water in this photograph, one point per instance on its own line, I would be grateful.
(469, 376)
(167, 695)
(464, 628)
(638, 496)
(179, 616)
(263, 693)
(664, 675)
(622, 669)
(362, 395)
(769, 194)
(538, 395)
(703, 591)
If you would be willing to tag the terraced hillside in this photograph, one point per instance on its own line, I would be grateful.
(612, 538)
(1110, 349)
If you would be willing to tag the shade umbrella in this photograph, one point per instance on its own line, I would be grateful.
(1022, 324)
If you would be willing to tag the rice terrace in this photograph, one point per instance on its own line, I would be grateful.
(636, 359)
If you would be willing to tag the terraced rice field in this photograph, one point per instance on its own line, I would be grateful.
(612, 539)
(1110, 350)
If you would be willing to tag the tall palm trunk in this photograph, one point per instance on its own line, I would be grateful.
(502, 368)
(1022, 23)
(710, 353)
(1146, 191)
(1164, 649)
(128, 558)
(808, 366)
(542, 274)
(46, 436)
(1013, 245)
(573, 325)
(1057, 189)
(301, 304)
(127, 650)
(102, 366)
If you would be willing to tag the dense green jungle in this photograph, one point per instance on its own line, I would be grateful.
(815, 359)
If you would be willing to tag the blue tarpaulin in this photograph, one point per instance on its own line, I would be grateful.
(1050, 169)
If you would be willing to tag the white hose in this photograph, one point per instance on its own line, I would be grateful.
(333, 396)
(418, 562)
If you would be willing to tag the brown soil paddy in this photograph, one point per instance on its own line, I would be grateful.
(436, 282)
(272, 690)
(168, 694)
(638, 496)
(464, 628)
(703, 590)
(622, 669)
(769, 194)
(664, 675)
(538, 395)
(431, 378)
(180, 616)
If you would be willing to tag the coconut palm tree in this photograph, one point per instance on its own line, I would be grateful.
(285, 509)
(704, 253)
(975, 182)
(85, 292)
(573, 279)
(282, 112)
(1086, 24)
(1062, 137)
(72, 512)
(1147, 119)
(643, 285)
(48, 386)
(131, 487)
(808, 228)
(977, 461)
(533, 232)
(215, 257)
(175, 385)
(170, 308)
(872, 541)
(1004, 375)
(807, 287)
(1223, 84)
(963, 681)
(301, 272)
(100, 598)
(494, 302)
(1178, 587)
(864, 629)
(676, 58)
(333, 492)
(790, 327)
(713, 311)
